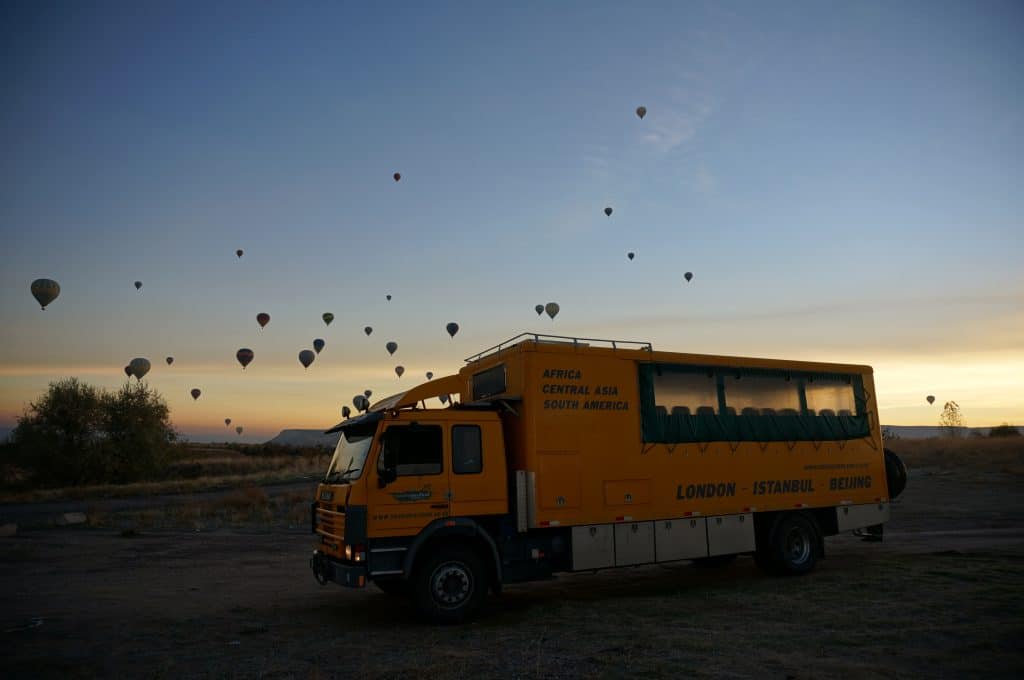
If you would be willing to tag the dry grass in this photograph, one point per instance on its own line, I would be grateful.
(246, 507)
(977, 454)
(218, 472)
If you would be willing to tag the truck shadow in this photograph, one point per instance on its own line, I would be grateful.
(376, 610)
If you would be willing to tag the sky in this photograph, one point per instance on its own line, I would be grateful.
(844, 182)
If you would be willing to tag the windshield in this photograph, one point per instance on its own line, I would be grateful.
(348, 459)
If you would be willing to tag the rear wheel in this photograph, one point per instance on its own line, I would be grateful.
(449, 585)
(895, 474)
(791, 547)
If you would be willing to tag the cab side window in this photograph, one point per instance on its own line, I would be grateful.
(418, 449)
(467, 450)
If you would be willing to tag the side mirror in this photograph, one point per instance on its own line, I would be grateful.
(387, 463)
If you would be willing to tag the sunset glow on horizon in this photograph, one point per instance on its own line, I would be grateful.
(843, 182)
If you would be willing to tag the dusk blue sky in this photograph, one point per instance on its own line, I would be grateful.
(844, 181)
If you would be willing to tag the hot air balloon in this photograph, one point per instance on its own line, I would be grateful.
(391, 347)
(238, 429)
(345, 411)
(399, 370)
(239, 253)
(608, 212)
(368, 330)
(641, 111)
(931, 399)
(318, 344)
(262, 319)
(328, 318)
(367, 393)
(630, 255)
(443, 398)
(139, 366)
(169, 360)
(397, 176)
(195, 393)
(306, 357)
(45, 291)
(227, 421)
(244, 356)
(688, 276)
(552, 309)
(388, 296)
(452, 328)
(430, 375)
(138, 285)
(539, 309)
(359, 401)
(128, 371)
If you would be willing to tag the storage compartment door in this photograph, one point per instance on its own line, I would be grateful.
(849, 517)
(634, 543)
(593, 547)
(731, 534)
(681, 539)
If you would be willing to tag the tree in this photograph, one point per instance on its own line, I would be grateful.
(136, 422)
(58, 435)
(76, 434)
(951, 420)
(1004, 430)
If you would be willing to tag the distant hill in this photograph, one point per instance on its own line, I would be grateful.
(5, 434)
(306, 438)
(930, 431)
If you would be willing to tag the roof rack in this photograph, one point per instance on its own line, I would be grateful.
(559, 340)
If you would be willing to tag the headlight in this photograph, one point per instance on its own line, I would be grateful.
(348, 552)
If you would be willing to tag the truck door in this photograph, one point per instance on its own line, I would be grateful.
(419, 493)
(477, 470)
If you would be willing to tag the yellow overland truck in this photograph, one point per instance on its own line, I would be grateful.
(569, 454)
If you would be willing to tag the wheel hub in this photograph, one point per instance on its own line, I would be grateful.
(451, 584)
(798, 547)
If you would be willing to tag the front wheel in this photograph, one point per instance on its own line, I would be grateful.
(449, 585)
(792, 546)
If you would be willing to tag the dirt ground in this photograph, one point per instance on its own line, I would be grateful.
(943, 596)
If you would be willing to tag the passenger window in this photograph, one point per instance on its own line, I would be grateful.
(418, 449)
(763, 392)
(828, 396)
(467, 450)
(696, 391)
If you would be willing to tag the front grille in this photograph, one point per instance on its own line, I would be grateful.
(330, 523)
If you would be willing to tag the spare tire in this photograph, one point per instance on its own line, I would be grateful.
(895, 474)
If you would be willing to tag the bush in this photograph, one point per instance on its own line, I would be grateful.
(76, 434)
(1004, 430)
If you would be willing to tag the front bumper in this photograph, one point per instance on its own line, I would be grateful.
(327, 569)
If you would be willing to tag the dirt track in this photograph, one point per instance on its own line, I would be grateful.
(944, 595)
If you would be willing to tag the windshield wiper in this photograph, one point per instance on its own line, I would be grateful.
(344, 475)
(345, 471)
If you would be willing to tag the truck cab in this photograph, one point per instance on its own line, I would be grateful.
(404, 485)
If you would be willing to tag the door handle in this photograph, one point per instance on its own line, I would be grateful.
(439, 506)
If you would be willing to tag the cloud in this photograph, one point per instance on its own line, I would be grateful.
(675, 125)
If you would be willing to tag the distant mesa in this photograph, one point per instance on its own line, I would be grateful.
(306, 438)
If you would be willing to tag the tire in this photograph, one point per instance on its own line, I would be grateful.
(449, 585)
(395, 587)
(895, 474)
(792, 547)
(714, 562)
